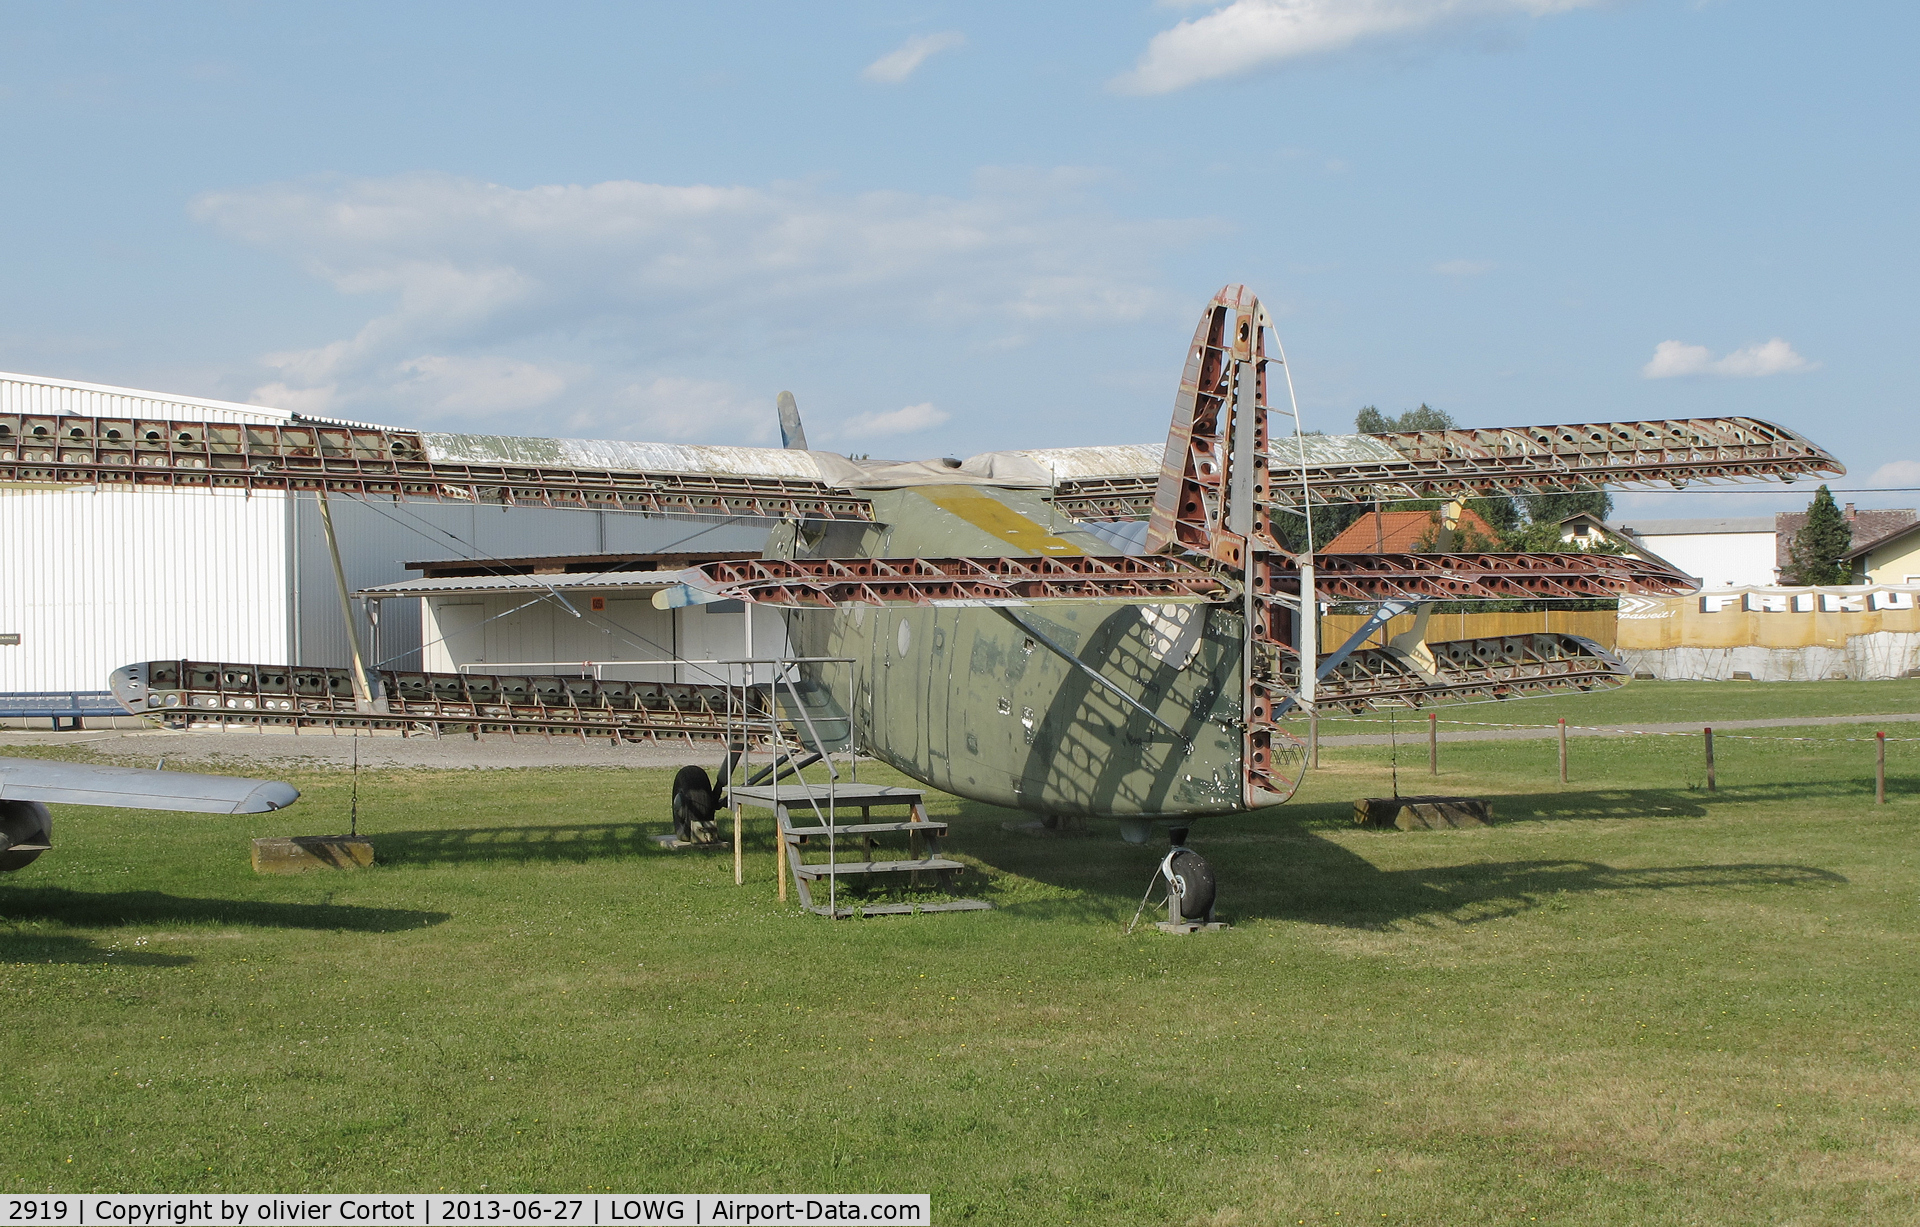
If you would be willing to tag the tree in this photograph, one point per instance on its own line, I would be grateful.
(1543, 508)
(1371, 421)
(1816, 554)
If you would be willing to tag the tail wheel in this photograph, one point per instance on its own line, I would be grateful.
(1193, 878)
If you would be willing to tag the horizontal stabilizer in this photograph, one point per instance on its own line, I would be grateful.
(1471, 670)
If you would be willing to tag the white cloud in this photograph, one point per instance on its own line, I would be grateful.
(676, 408)
(1673, 359)
(1896, 473)
(478, 385)
(561, 300)
(1462, 268)
(314, 400)
(1250, 35)
(905, 421)
(903, 61)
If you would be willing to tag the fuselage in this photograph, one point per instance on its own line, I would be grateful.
(987, 701)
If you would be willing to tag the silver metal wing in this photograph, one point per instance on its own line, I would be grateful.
(45, 780)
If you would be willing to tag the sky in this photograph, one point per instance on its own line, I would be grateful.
(951, 229)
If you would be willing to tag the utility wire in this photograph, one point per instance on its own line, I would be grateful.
(500, 569)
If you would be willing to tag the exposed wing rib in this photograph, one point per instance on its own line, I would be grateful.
(1567, 575)
(926, 581)
(46, 780)
(1495, 460)
(1344, 577)
(663, 478)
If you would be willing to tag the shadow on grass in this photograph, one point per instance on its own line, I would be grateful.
(1465, 894)
(572, 843)
(65, 948)
(1603, 802)
(115, 909)
(1278, 868)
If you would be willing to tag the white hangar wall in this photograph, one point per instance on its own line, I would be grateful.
(94, 581)
(98, 579)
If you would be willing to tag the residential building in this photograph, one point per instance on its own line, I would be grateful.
(1868, 526)
(1891, 558)
(1401, 532)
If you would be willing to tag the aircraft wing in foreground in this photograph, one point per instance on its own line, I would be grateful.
(27, 785)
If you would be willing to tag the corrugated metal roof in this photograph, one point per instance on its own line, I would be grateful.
(44, 394)
(605, 581)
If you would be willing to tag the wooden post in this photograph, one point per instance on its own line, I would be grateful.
(1433, 745)
(780, 853)
(1710, 782)
(1879, 768)
(1313, 739)
(1563, 749)
(739, 872)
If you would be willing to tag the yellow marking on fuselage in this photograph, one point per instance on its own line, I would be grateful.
(990, 515)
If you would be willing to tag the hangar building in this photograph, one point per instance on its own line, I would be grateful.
(93, 579)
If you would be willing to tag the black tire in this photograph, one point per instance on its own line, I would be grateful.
(22, 822)
(1196, 884)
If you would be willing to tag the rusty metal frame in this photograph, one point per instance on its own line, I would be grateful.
(1476, 577)
(296, 697)
(1223, 388)
(924, 581)
(1500, 667)
(1496, 460)
(133, 453)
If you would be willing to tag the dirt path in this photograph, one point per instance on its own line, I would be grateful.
(1414, 729)
(238, 751)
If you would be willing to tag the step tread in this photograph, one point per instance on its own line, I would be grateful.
(794, 795)
(869, 828)
(902, 909)
(842, 868)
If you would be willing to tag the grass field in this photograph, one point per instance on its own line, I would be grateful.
(1631, 1001)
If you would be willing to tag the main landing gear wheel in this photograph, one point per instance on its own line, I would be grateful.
(1192, 880)
(1190, 888)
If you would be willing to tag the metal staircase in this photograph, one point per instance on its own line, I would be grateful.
(801, 725)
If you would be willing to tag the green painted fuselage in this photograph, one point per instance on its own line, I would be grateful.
(979, 700)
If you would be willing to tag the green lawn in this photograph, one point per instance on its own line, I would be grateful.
(1631, 1001)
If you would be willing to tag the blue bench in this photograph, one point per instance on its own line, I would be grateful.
(72, 706)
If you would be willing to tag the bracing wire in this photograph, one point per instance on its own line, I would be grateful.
(631, 637)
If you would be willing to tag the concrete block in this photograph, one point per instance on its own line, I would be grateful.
(299, 853)
(1422, 813)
